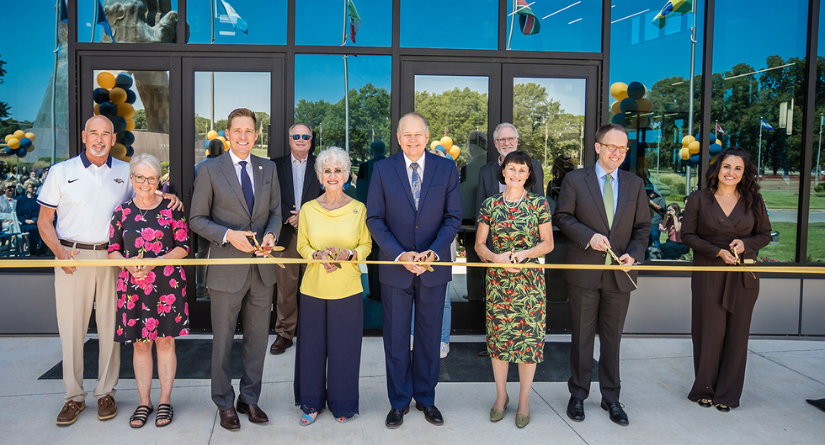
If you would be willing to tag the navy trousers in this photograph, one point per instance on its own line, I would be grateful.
(412, 378)
(328, 354)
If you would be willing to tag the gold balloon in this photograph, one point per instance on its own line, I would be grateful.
(31, 148)
(14, 143)
(19, 134)
(226, 145)
(125, 110)
(615, 108)
(712, 159)
(106, 80)
(644, 105)
(447, 142)
(684, 153)
(97, 109)
(694, 147)
(8, 136)
(222, 139)
(211, 135)
(618, 90)
(454, 151)
(130, 124)
(643, 121)
(687, 140)
(117, 95)
(434, 144)
(118, 151)
(127, 159)
(207, 153)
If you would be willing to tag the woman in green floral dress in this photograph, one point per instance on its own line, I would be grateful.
(520, 227)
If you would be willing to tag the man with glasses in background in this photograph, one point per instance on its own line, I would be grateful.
(602, 210)
(505, 136)
(299, 184)
(83, 192)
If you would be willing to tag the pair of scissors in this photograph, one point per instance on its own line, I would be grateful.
(265, 251)
(616, 259)
(740, 261)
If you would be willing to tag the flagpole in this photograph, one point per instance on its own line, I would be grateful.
(94, 23)
(54, 75)
(759, 164)
(512, 23)
(690, 102)
(819, 150)
(346, 103)
(212, 73)
(344, 38)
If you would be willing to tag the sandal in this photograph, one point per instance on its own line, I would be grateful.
(722, 408)
(165, 412)
(706, 403)
(343, 419)
(141, 414)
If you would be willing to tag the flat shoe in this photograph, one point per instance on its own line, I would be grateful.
(705, 403)
(342, 419)
(498, 414)
(141, 414)
(722, 408)
(522, 420)
(165, 412)
(308, 418)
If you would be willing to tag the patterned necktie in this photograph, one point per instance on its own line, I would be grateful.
(246, 186)
(608, 207)
(416, 183)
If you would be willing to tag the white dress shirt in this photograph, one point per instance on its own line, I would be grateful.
(299, 169)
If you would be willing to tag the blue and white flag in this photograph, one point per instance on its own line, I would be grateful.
(766, 125)
(226, 10)
(103, 20)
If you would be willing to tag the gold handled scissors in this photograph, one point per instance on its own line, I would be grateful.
(616, 259)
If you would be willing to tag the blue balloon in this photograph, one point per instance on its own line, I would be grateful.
(9, 149)
(441, 148)
(448, 156)
(25, 143)
(635, 90)
(628, 104)
(222, 133)
(715, 149)
(21, 153)
(128, 138)
(712, 138)
(619, 119)
(100, 95)
(119, 123)
(130, 151)
(108, 109)
(124, 81)
(131, 97)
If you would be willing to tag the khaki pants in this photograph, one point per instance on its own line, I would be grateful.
(286, 304)
(76, 295)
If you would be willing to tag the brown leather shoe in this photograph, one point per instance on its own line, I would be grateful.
(280, 345)
(229, 419)
(106, 407)
(255, 413)
(68, 414)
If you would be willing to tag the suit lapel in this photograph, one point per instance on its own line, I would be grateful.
(622, 198)
(309, 174)
(229, 173)
(598, 199)
(286, 168)
(257, 179)
(426, 179)
(401, 170)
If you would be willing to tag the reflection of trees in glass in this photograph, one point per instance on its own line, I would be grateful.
(671, 104)
(455, 113)
(4, 106)
(542, 123)
(140, 120)
(369, 111)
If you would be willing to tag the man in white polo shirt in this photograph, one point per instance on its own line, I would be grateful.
(83, 191)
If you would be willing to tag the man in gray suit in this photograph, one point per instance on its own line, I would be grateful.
(599, 208)
(237, 195)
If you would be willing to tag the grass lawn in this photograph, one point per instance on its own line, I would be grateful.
(786, 250)
(780, 199)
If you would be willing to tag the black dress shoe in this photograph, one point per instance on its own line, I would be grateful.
(431, 413)
(395, 418)
(616, 412)
(575, 409)
(229, 419)
(255, 413)
(280, 345)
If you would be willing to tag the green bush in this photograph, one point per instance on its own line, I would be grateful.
(672, 179)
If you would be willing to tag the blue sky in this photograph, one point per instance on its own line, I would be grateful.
(639, 50)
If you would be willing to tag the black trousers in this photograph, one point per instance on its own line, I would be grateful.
(606, 308)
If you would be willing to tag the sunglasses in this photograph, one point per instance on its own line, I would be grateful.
(305, 137)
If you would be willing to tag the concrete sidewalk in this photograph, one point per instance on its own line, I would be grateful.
(657, 374)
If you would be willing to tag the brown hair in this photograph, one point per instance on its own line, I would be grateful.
(604, 129)
(241, 112)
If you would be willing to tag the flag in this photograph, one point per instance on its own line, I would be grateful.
(766, 125)
(102, 20)
(719, 129)
(63, 11)
(226, 10)
(354, 20)
(527, 21)
(671, 8)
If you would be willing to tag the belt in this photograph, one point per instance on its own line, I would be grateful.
(102, 246)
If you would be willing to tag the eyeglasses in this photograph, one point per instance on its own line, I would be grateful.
(140, 179)
(622, 149)
(305, 137)
(508, 140)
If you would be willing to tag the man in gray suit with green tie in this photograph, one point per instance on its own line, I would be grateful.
(237, 196)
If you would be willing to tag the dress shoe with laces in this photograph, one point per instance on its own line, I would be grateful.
(106, 407)
(575, 409)
(431, 413)
(229, 419)
(395, 418)
(68, 414)
(280, 345)
(255, 413)
(616, 412)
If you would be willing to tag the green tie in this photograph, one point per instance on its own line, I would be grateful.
(608, 207)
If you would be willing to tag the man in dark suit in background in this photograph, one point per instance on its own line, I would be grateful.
(413, 213)
(601, 208)
(379, 150)
(299, 184)
(237, 195)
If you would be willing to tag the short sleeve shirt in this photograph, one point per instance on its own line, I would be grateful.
(84, 197)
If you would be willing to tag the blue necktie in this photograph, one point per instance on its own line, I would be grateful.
(246, 186)
(416, 183)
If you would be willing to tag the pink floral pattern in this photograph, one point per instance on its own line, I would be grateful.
(156, 306)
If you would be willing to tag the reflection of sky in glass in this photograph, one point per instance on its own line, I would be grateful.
(266, 21)
(86, 16)
(568, 92)
(321, 22)
(322, 76)
(440, 84)
(232, 90)
(461, 24)
(569, 25)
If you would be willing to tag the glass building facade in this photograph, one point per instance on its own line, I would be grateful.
(721, 72)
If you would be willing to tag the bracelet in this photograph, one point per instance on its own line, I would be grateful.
(351, 254)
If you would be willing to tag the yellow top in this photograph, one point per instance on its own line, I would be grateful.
(343, 228)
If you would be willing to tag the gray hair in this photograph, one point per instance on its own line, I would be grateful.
(335, 156)
(504, 125)
(147, 160)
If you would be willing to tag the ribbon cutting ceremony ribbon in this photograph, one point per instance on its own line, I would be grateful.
(616, 259)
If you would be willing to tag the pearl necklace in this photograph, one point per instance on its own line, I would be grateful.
(507, 203)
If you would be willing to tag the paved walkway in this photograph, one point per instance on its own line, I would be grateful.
(657, 374)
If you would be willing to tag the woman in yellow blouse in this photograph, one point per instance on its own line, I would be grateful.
(330, 321)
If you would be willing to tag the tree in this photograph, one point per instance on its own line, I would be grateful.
(4, 106)
(455, 113)
(140, 119)
(539, 123)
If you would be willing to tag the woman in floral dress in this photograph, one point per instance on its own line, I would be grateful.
(520, 226)
(151, 306)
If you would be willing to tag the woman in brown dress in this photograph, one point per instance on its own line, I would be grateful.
(726, 217)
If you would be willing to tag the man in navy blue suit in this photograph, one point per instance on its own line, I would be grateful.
(413, 213)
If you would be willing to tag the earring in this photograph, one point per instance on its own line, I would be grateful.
(322, 187)
(346, 185)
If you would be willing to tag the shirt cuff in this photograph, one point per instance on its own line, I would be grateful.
(224, 237)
